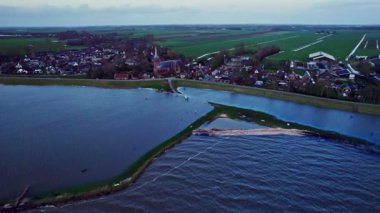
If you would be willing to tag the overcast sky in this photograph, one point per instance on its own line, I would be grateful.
(153, 12)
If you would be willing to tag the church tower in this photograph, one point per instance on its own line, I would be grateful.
(156, 61)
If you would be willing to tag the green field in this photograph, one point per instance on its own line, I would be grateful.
(195, 43)
(23, 46)
(339, 45)
(370, 48)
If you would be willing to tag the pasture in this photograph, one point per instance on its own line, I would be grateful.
(24, 46)
(338, 45)
(370, 46)
(293, 44)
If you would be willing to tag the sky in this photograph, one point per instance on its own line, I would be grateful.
(38, 13)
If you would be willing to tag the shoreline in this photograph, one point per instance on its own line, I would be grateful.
(249, 132)
(159, 84)
(132, 173)
(163, 84)
(356, 107)
(123, 181)
(115, 184)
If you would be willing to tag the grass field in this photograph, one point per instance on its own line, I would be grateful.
(197, 43)
(338, 45)
(22, 46)
(371, 45)
(196, 46)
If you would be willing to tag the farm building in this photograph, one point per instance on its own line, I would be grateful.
(321, 56)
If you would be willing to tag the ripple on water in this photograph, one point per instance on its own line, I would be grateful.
(248, 173)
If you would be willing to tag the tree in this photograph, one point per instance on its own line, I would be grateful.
(218, 59)
(366, 68)
(239, 49)
(371, 94)
(285, 65)
(265, 52)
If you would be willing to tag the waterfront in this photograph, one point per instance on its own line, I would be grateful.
(245, 173)
(347, 123)
(109, 131)
(54, 137)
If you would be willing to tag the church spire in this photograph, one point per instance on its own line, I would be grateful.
(156, 53)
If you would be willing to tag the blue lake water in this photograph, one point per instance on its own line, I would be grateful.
(55, 137)
(347, 123)
(250, 174)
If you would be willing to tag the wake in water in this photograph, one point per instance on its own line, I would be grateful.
(174, 168)
(155, 178)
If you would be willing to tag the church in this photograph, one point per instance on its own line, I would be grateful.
(165, 68)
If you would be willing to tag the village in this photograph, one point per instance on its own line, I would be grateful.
(124, 58)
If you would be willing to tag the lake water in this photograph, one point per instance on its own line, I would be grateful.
(250, 174)
(55, 137)
(347, 123)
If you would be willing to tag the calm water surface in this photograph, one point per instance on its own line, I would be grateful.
(347, 123)
(250, 173)
(54, 137)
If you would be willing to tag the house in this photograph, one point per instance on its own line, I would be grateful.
(259, 83)
(299, 65)
(121, 76)
(342, 73)
(18, 66)
(38, 71)
(361, 57)
(312, 65)
(326, 75)
(22, 71)
(321, 56)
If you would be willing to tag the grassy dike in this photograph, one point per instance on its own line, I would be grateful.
(129, 176)
(160, 84)
(137, 168)
(370, 109)
(272, 122)
(117, 183)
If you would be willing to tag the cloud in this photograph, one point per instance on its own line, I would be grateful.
(344, 4)
(85, 15)
(152, 12)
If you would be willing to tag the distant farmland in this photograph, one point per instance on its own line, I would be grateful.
(200, 44)
(22, 46)
(294, 44)
(371, 45)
